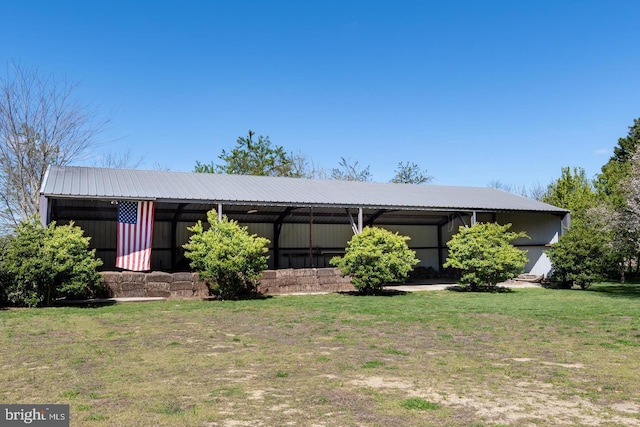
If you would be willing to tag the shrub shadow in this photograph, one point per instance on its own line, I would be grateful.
(614, 290)
(244, 297)
(480, 289)
(621, 290)
(88, 303)
(382, 293)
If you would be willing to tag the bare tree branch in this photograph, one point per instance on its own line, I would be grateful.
(41, 124)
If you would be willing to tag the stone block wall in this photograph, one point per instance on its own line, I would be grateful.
(307, 280)
(187, 285)
(128, 284)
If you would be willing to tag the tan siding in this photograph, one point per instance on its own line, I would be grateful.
(322, 236)
(421, 236)
(451, 228)
(262, 230)
(428, 258)
(541, 228)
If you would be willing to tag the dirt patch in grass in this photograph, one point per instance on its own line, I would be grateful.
(533, 403)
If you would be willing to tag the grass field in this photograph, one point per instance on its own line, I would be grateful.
(529, 357)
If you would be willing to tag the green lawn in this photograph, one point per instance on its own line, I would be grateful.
(528, 357)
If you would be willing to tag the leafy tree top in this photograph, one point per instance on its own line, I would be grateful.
(572, 191)
(627, 145)
(254, 157)
(609, 183)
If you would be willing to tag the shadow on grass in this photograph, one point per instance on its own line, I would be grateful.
(89, 303)
(382, 293)
(480, 289)
(617, 290)
(243, 297)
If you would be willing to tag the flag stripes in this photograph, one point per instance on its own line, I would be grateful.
(135, 232)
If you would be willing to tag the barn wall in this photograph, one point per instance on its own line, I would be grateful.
(330, 240)
(103, 239)
(451, 228)
(542, 229)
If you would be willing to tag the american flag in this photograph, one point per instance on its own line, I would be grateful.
(135, 230)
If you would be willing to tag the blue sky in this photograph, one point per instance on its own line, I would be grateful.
(472, 91)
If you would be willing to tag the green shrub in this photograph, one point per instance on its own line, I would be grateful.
(376, 257)
(579, 257)
(4, 275)
(43, 264)
(227, 256)
(484, 255)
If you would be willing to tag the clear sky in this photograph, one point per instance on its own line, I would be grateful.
(472, 91)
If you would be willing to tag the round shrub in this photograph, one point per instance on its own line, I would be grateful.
(578, 258)
(484, 255)
(227, 256)
(42, 264)
(376, 257)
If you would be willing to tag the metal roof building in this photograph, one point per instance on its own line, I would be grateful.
(299, 216)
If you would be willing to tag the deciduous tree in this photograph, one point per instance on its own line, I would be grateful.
(572, 191)
(410, 173)
(41, 124)
(350, 171)
(612, 175)
(631, 190)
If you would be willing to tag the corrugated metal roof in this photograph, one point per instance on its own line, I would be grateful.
(169, 186)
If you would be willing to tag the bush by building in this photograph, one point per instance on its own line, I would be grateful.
(376, 257)
(227, 256)
(484, 255)
(41, 264)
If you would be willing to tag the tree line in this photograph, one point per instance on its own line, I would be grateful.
(604, 237)
(259, 157)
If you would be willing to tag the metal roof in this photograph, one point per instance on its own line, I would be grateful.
(65, 182)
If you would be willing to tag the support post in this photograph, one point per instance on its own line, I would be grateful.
(174, 235)
(440, 248)
(219, 211)
(44, 211)
(277, 229)
(354, 226)
(360, 220)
